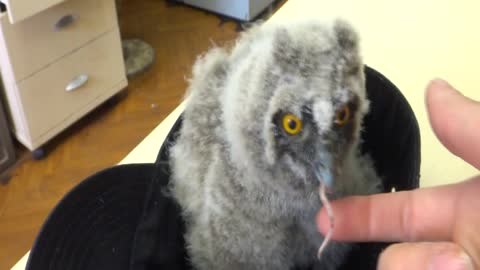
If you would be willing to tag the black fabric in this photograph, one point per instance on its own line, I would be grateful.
(93, 226)
(159, 242)
(391, 134)
(122, 217)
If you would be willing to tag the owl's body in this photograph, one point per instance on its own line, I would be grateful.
(247, 188)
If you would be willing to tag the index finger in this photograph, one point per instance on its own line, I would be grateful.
(420, 215)
(455, 119)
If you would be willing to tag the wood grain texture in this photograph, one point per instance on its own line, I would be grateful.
(101, 139)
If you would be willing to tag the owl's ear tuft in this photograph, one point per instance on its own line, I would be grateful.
(346, 35)
(348, 43)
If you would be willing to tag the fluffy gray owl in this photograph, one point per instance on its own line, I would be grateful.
(264, 123)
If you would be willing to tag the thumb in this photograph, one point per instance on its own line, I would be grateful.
(420, 256)
(455, 119)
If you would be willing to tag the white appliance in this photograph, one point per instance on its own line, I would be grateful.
(243, 10)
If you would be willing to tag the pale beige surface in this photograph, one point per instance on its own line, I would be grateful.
(44, 43)
(22, 263)
(408, 41)
(20, 9)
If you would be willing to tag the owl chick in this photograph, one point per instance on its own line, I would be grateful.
(265, 122)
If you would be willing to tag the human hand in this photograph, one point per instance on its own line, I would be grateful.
(439, 226)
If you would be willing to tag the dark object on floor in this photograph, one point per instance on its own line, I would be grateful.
(138, 55)
(7, 153)
(172, 3)
(243, 10)
(122, 218)
(39, 154)
(115, 99)
(5, 178)
(243, 25)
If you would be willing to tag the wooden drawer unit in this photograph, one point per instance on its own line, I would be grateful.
(21, 9)
(54, 75)
(36, 42)
(92, 71)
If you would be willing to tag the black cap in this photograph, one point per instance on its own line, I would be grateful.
(123, 218)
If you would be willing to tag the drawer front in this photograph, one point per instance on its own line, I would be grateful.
(21, 9)
(40, 40)
(52, 95)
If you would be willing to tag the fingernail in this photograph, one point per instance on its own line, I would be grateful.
(439, 85)
(451, 262)
(440, 82)
(442, 88)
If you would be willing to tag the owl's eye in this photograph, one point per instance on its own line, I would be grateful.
(291, 124)
(342, 116)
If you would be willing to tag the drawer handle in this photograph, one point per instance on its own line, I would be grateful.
(64, 22)
(77, 82)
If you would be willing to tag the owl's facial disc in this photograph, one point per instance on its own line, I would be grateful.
(318, 152)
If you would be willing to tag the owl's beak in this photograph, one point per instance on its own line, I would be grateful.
(325, 171)
(325, 176)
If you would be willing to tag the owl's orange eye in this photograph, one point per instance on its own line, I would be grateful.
(291, 124)
(342, 116)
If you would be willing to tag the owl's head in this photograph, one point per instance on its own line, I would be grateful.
(295, 100)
